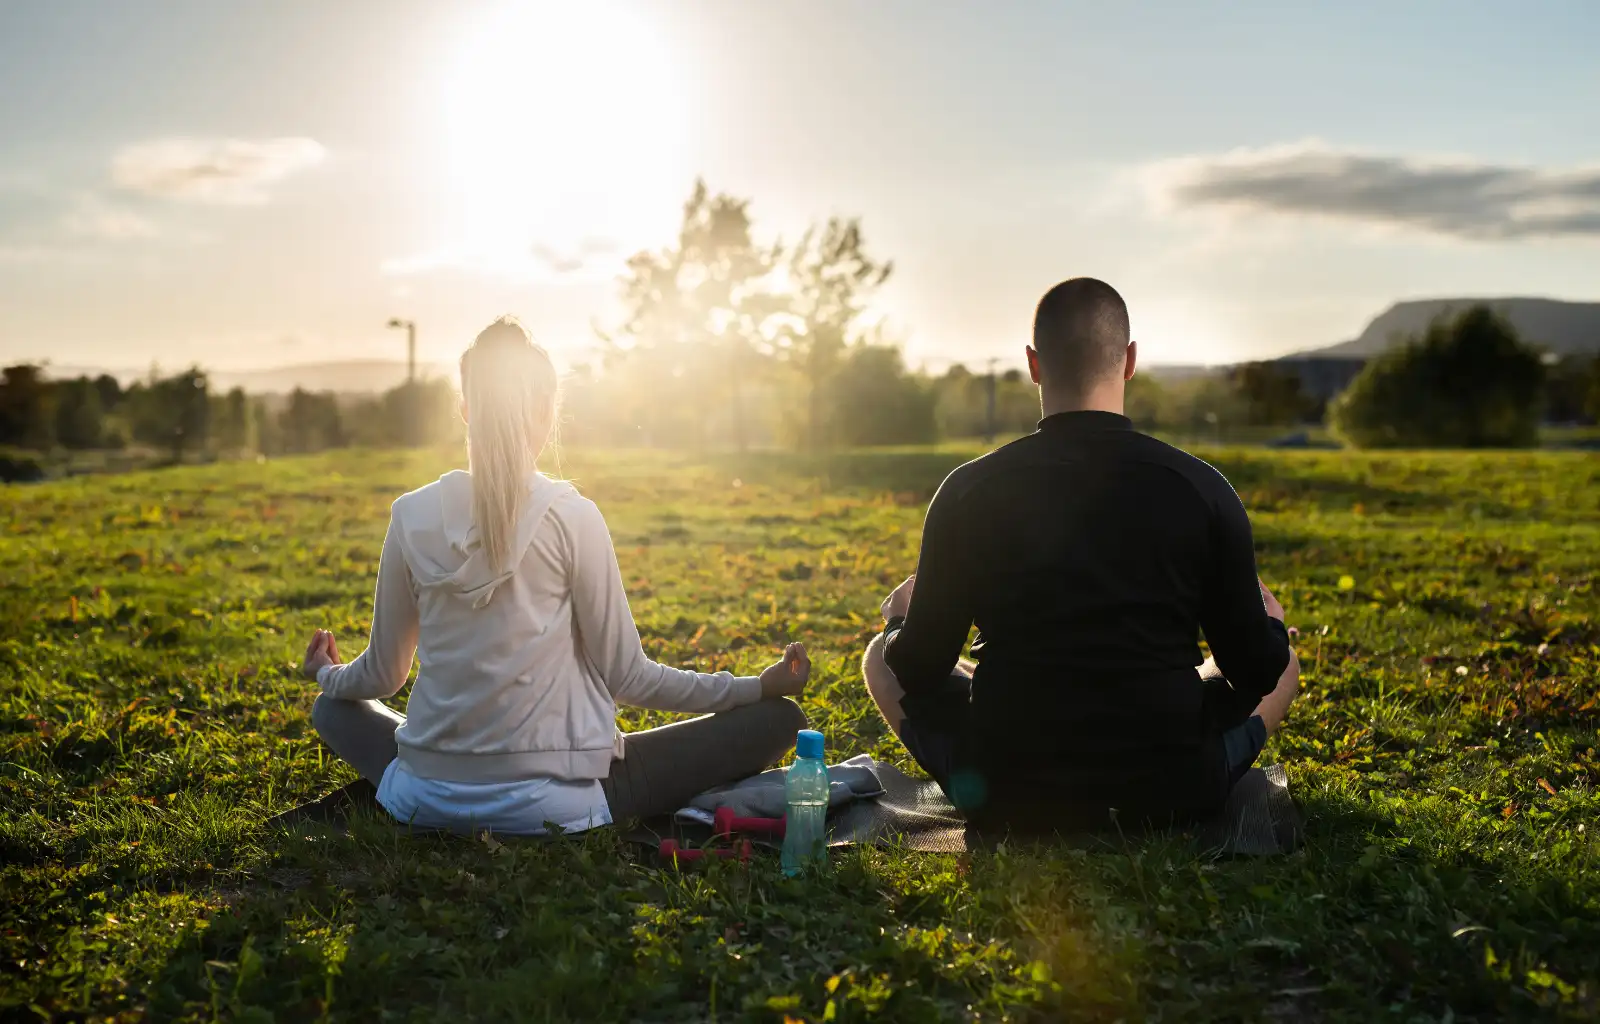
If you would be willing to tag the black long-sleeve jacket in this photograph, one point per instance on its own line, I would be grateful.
(1091, 557)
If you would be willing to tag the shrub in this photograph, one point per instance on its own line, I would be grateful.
(20, 468)
(872, 400)
(1467, 382)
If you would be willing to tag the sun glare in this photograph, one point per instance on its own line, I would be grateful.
(1178, 333)
(564, 130)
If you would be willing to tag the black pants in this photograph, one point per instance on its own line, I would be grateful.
(660, 771)
(935, 731)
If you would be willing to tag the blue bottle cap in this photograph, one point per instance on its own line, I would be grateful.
(808, 743)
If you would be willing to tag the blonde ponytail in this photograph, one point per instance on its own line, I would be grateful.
(509, 385)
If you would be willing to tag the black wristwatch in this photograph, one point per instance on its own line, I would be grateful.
(893, 625)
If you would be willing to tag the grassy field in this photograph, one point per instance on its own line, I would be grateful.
(151, 719)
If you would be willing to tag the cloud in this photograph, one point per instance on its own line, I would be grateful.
(590, 259)
(93, 217)
(589, 255)
(557, 263)
(1455, 198)
(221, 171)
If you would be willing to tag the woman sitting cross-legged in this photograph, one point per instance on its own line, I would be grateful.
(504, 583)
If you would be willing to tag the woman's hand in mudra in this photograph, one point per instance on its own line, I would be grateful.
(788, 677)
(320, 653)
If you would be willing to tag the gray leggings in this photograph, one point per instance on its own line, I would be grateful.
(663, 767)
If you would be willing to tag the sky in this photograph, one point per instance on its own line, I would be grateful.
(253, 185)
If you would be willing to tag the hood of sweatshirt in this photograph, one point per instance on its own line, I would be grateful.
(442, 544)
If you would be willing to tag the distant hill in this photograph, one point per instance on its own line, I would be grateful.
(350, 377)
(1564, 328)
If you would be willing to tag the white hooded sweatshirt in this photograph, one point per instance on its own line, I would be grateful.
(521, 669)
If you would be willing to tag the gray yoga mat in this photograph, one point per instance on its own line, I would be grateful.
(1259, 820)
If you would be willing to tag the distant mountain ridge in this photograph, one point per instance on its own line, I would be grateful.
(1563, 328)
(355, 376)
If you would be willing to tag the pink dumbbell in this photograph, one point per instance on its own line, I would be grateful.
(670, 850)
(726, 823)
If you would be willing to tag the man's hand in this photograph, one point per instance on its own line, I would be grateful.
(320, 653)
(899, 602)
(1274, 609)
(788, 677)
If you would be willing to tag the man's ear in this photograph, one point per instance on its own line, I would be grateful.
(1132, 360)
(1033, 364)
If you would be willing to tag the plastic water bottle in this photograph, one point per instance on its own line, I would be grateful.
(805, 794)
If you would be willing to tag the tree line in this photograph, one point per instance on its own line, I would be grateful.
(181, 416)
(730, 341)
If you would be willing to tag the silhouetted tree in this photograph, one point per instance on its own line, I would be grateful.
(27, 416)
(1271, 395)
(311, 421)
(230, 421)
(693, 324)
(962, 402)
(871, 399)
(1145, 400)
(1467, 382)
(170, 412)
(80, 420)
(830, 277)
(1568, 383)
(109, 391)
(418, 413)
(264, 425)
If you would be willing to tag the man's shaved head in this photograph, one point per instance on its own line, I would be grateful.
(1080, 333)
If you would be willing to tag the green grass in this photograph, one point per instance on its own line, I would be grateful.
(151, 718)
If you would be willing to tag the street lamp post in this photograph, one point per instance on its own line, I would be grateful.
(991, 427)
(411, 347)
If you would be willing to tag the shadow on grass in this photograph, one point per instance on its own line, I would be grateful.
(378, 922)
(1384, 905)
(1401, 908)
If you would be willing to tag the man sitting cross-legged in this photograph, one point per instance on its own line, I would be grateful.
(1091, 557)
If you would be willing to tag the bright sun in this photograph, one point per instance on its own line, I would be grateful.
(564, 125)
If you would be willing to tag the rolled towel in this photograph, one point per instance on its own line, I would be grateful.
(761, 796)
